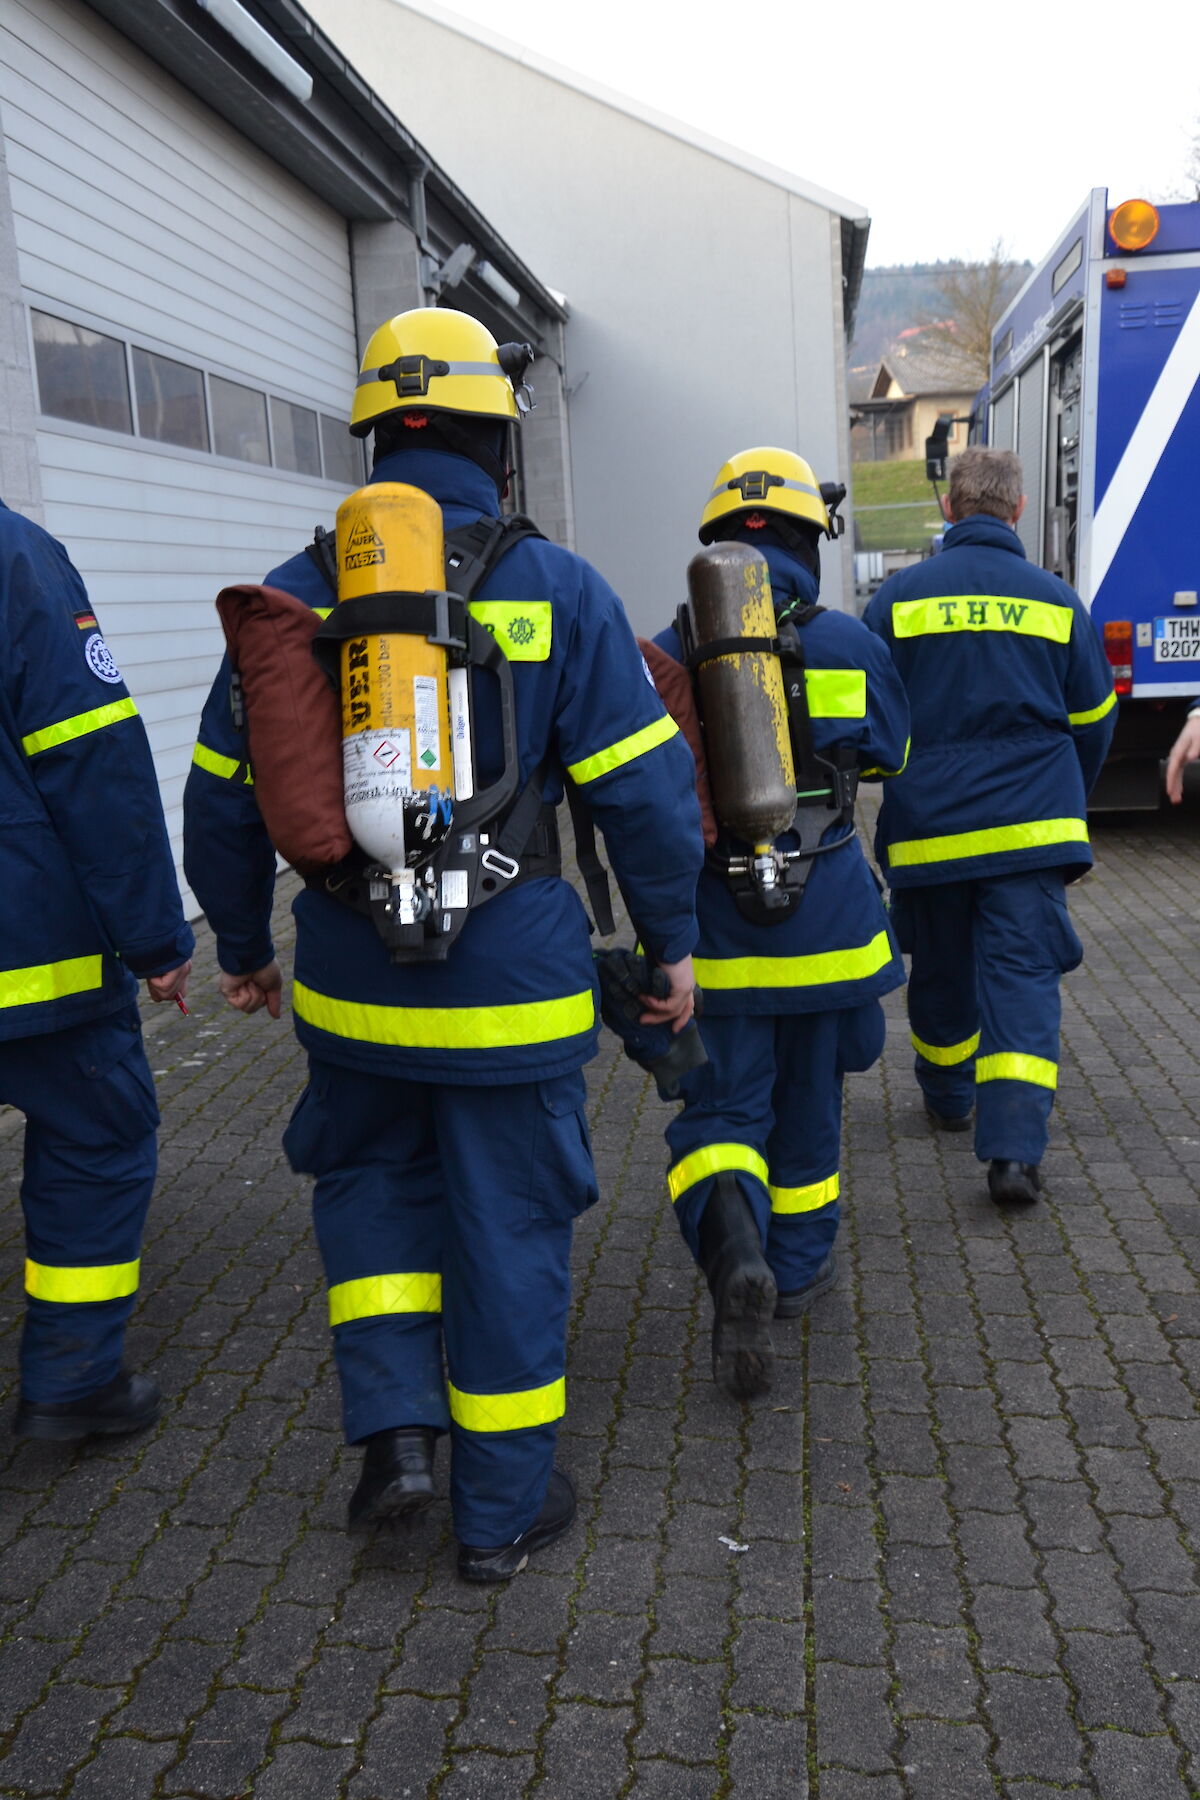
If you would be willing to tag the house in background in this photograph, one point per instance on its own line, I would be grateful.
(895, 403)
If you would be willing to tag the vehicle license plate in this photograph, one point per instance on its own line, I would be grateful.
(1176, 639)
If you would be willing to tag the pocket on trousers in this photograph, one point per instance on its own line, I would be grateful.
(116, 1098)
(1062, 940)
(564, 1179)
(861, 1034)
(309, 1138)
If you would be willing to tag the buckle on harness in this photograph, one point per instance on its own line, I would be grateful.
(497, 863)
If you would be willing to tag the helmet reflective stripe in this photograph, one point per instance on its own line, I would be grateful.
(765, 481)
(437, 369)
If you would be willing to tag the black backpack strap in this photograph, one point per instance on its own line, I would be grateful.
(472, 551)
(322, 553)
(595, 875)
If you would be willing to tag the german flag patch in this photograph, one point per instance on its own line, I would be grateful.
(86, 621)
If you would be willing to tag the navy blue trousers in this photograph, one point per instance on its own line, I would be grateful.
(768, 1107)
(984, 1003)
(444, 1218)
(90, 1159)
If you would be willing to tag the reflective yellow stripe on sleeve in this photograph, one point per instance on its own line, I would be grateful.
(78, 726)
(1036, 835)
(76, 1287)
(227, 767)
(903, 763)
(371, 1296)
(714, 1159)
(836, 693)
(1093, 713)
(50, 981)
(946, 613)
(509, 1412)
(447, 1027)
(815, 970)
(946, 1055)
(807, 1198)
(1010, 1066)
(626, 751)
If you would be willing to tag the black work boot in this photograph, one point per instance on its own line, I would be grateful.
(1013, 1183)
(797, 1301)
(743, 1291)
(126, 1403)
(397, 1478)
(949, 1121)
(507, 1560)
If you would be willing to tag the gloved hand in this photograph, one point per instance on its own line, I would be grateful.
(626, 979)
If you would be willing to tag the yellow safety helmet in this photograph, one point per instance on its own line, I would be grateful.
(764, 480)
(434, 359)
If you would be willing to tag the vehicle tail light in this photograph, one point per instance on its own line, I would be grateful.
(1118, 647)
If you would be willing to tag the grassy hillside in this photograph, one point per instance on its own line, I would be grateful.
(910, 515)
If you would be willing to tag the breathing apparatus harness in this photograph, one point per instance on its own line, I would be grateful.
(499, 837)
(768, 888)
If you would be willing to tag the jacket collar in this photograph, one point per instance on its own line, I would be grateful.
(449, 479)
(982, 528)
(791, 582)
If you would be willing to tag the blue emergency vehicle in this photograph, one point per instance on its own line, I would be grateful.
(1095, 383)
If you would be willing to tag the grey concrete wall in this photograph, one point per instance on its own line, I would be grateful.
(20, 474)
(385, 268)
(546, 448)
(705, 300)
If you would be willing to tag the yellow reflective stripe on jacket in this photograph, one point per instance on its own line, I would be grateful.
(714, 1159)
(637, 744)
(903, 763)
(50, 981)
(75, 1287)
(447, 1027)
(79, 726)
(1011, 1066)
(371, 1295)
(227, 767)
(523, 629)
(1034, 836)
(836, 693)
(806, 1198)
(815, 970)
(946, 1055)
(982, 612)
(1094, 713)
(508, 1412)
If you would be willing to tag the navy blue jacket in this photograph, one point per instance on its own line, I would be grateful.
(836, 950)
(1012, 713)
(515, 999)
(88, 895)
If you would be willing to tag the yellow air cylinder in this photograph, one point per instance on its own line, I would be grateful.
(742, 701)
(395, 712)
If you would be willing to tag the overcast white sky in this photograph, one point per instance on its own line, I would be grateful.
(954, 125)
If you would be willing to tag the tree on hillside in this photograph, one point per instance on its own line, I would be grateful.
(971, 298)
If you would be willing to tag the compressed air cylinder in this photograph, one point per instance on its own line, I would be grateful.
(742, 701)
(396, 756)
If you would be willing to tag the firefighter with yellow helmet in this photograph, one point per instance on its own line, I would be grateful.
(443, 1117)
(795, 948)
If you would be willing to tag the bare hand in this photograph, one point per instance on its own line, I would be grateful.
(1186, 749)
(679, 1004)
(247, 993)
(174, 982)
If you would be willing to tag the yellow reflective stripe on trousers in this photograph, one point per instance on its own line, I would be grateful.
(806, 1198)
(1094, 713)
(509, 1412)
(816, 970)
(447, 1027)
(946, 1055)
(944, 613)
(714, 1159)
(79, 726)
(76, 1287)
(836, 693)
(224, 766)
(1009, 1065)
(1034, 836)
(370, 1296)
(50, 981)
(625, 751)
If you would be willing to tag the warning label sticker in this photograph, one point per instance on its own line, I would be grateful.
(454, 889)
(426, 710)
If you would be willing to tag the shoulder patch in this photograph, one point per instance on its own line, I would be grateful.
(647, 674)
(86, 621)
(523, 629)
(100, 660)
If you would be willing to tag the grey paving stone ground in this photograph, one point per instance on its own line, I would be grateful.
(971, 1506)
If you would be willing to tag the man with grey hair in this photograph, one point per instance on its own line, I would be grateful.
(1012, 711)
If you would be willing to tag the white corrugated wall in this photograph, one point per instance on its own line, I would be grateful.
(143, 215)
